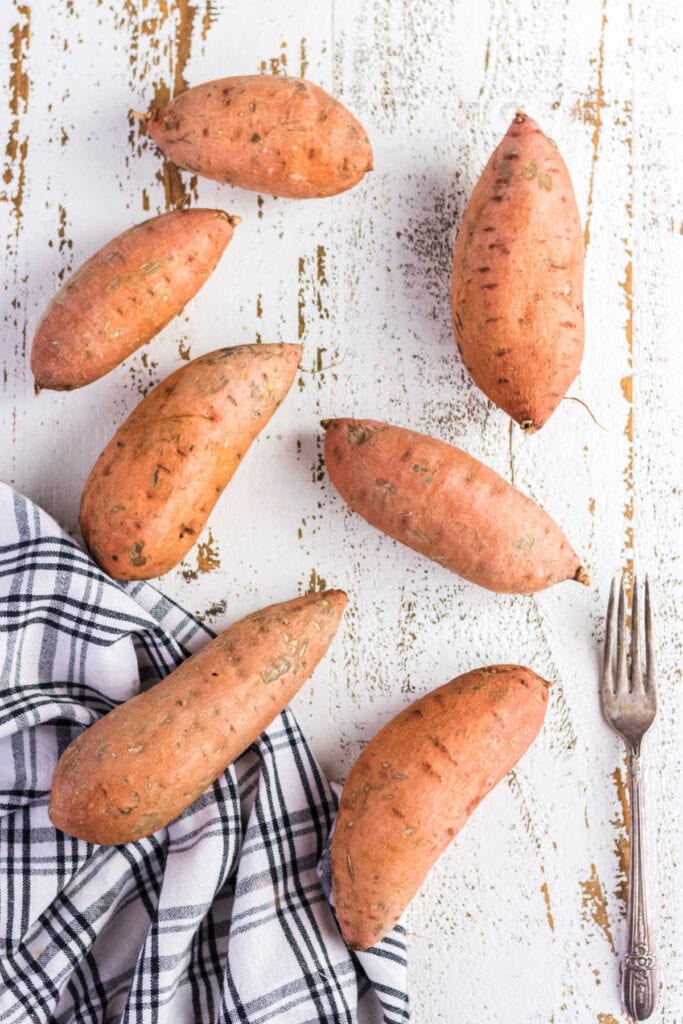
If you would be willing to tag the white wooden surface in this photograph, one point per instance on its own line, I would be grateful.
(522, 920)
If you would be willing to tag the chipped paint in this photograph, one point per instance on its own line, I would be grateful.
(16, 148)
(546, 900)
(160, 49)
(142, 372)
(209, 16)
(183, 41)
(259, 316)
(316, 582)
(621, 837)
(313, 292)
(206, 556)
(627, 391)
(64, 244)
(13, 187)
(215, 611)
(373, 294)
(321, 276)
(590, 111)
(275, 65)
(594, 905)
(301, 304)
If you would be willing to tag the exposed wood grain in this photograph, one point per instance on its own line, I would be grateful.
(523, 919)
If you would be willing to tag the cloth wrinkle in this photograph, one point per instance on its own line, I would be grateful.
(222, 916)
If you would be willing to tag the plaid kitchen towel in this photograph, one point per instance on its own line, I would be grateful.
(219, 917)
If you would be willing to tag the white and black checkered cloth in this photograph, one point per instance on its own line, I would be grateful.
(222, 916)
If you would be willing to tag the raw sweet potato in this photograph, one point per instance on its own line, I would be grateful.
(517, 286)
(445, 504)
(280, 136)
(416, 784)
(124, 294)
(141, 765)
(153, 487)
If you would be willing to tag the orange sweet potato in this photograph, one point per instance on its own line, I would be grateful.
(517, 285)
(449, 506)
(416, 784)
(125, 294)
(141, 765)
(153, 487)
(280, 136)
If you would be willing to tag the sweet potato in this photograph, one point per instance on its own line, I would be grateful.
(124, 294)
(445, 504)
(141, 765)
(153, 487)
(280, 136)
(415, 785)
(517, 285)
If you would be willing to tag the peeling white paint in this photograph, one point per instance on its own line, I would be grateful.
(363, 279)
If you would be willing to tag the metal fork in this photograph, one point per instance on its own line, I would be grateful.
(629, 705)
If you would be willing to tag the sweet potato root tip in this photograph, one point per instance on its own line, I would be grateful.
(325, 424)
(582, 577)
(528, 427)
(140, 116)
(234, 220)
(586, 406)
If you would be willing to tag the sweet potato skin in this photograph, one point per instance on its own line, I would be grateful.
(447, 505)
(153, 487)
(138, 767)
(125, 294)
(275, 135)
(415, 785)
(517, 283)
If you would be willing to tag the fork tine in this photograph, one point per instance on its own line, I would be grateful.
(636, 666)
(607, 673)
(649, 641)
(621, 682)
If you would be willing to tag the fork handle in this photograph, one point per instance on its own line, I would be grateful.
(640, 967)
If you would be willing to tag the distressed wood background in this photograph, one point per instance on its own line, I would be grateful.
(523, 919)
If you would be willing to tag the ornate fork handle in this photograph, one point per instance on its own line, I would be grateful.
(640, 965)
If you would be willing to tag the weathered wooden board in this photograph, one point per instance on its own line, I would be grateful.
(523, 918)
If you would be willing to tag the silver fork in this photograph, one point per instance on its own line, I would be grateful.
(629, 705)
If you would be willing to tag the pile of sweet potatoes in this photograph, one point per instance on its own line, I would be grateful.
(152, 489)
(518, 320)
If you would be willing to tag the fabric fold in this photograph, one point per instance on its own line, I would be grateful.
(220, 917)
